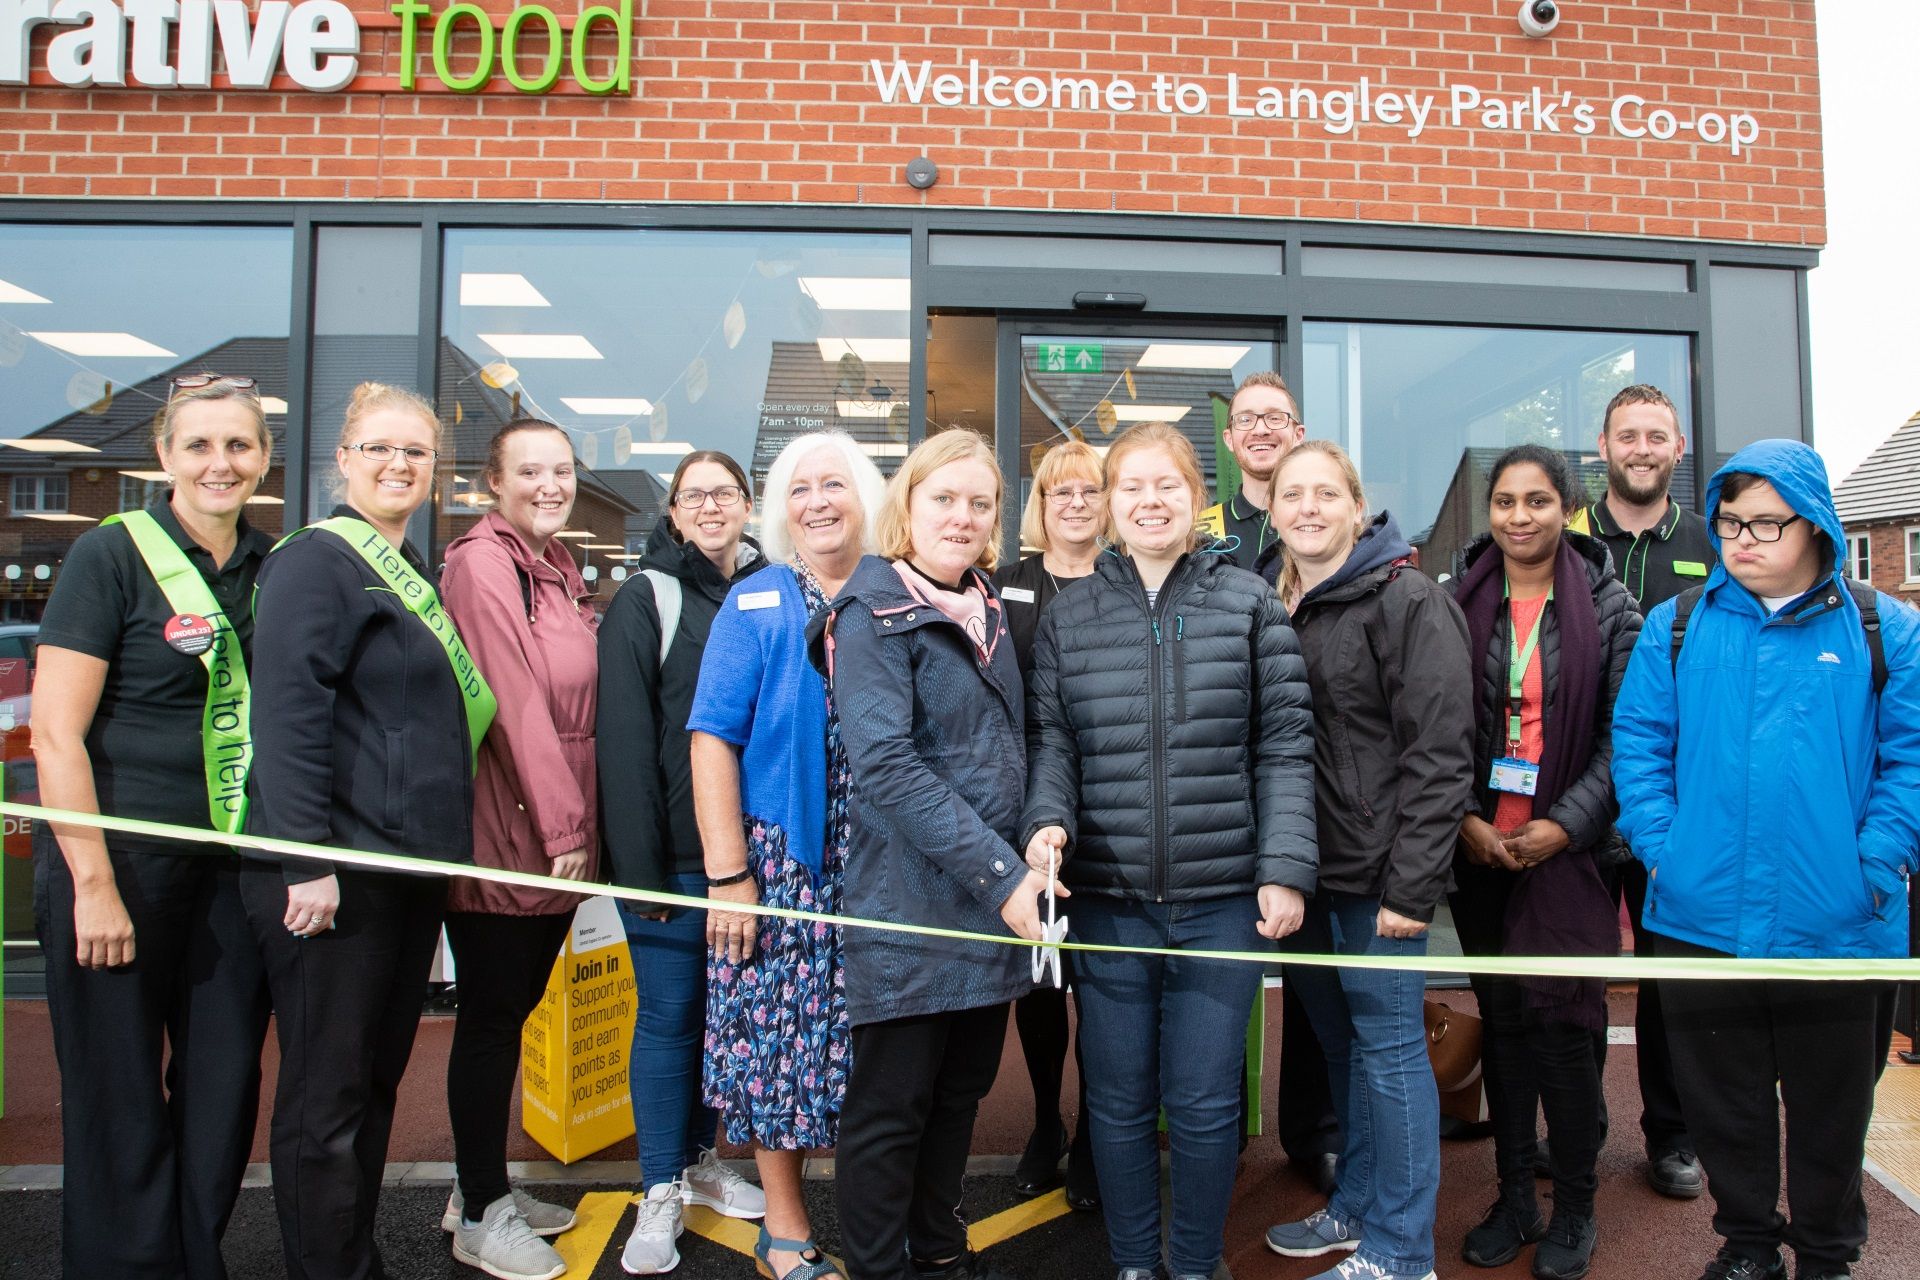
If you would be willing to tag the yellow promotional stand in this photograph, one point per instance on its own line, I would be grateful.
(574, 1098)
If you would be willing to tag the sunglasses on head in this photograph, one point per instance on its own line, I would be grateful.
(194, 381)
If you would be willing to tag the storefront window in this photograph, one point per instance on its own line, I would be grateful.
(1425, 409)
(646, 345)
(95, 321)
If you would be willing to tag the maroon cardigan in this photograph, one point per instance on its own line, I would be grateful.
(534, 796)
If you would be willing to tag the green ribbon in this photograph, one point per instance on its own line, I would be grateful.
(1603, 967)
(226, 743)
(418, 595)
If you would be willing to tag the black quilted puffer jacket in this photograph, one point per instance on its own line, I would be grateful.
(1173, 743)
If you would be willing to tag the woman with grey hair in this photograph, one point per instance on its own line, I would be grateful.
(770, 791)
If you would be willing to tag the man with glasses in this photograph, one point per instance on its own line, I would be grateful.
(1263, 425)
(1659, 550)
(1766, 757)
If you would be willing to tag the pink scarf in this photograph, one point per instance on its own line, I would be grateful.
(967, 607)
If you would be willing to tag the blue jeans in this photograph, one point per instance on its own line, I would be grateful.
(1370, 1022)
(671, 1123)
(1156, 1031)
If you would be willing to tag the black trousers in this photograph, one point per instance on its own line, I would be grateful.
(1045, 1036)
(347, 1005)
(1308, 1128)
(501, 966)
(1660, 1115)
(1745, 1051)
(905, 1131)
(154, 1158)
(1531, 1064)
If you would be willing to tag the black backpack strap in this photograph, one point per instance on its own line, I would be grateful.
(1682, 607)
(1868, 601)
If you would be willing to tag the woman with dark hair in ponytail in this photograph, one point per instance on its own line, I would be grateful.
(513, 590)
(1550, 631)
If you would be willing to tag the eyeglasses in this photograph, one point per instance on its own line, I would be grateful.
(1729, 528)
(194, 381)
(1274, 420)
(416, 455)
(693, 499)
(1064, 496)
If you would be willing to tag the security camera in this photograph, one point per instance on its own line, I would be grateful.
(1538, 18)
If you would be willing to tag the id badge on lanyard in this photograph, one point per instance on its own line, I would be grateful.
(1510, 773)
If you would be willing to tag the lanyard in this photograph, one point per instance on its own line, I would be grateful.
(418, 595)
(1517, 661)
(226, 743)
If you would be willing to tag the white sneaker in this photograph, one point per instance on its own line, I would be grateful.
(502, 1244)
(651, 1249)
(712, 1184)
(543, 1219)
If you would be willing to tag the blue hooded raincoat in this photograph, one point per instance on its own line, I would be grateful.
(1776, 806)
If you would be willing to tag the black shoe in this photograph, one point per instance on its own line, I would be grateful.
(1320, 1170)
(1542, 1159)
(1728, 1265)
(1503, 1232)
(1842, 1274)
(1567, 1252)
(1083, 1184)
(1039, 1167)
(968, 1266)
(1676, 1174)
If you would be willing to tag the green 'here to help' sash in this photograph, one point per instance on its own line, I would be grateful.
(226, 743)
(418, 595)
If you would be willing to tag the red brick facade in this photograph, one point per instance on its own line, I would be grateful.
(758, 101)
(1887, 554)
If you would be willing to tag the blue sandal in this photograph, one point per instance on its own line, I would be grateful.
(820, 1267)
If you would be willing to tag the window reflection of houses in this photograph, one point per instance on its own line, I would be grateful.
(78, 469)
(806, 393)
(1056, 405)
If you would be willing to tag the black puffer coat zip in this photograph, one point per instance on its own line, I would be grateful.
(1173, 743)
(1586, 809)
(1387, 655)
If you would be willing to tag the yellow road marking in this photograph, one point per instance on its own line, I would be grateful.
(1009, 1223)
(731, 1233)
(595, 1219)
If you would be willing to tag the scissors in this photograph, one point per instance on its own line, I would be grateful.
(1047, 955)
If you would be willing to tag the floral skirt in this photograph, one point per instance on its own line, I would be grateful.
(777, 1042)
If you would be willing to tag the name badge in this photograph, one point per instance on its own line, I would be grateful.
(1016, 595)
(759, 600)
(1690, 568)
(1516, 777)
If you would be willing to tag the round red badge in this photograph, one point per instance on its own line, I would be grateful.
(190, 633)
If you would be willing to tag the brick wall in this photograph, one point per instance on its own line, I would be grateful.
(1887, 550)
(752, 100)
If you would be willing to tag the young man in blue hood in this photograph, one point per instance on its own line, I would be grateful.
(1774, 795)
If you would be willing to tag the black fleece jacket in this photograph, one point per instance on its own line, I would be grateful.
(640, 742)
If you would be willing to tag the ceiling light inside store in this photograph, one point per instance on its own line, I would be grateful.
(55, 517)
(611, 406)
(100, 344)
(151, 477)
(273, 405)
(574, 533)
(482, 289)
(864, 408)
(871, 350)
(1190, 355)
(48, 444)
(856, 293)
(1151, 412)
(883, 449)
(662, 449)
(14, 293)
(266, 500)
(603, 546)
(542, 346)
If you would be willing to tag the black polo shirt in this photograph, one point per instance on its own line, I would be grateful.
(144, 741)
(1660, 563)
(1249, 527)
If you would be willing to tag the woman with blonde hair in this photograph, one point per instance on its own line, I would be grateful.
(368, 717)
(917, 658)
(1064, 520)
(771, 793)
(1171, 770)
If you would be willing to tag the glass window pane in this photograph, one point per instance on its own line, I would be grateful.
(366, 328)
(646, 345)
(1492, 268)
(1424, 409)
(95, 321)
(1058, 252)
(1756, 356)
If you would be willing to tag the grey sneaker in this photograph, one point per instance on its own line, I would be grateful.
(710, 1183)
(1358, 1268)
(651, 1249)
(502, 1244)
(543, 1219)
(1313, 1235)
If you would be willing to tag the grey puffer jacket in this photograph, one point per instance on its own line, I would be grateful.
(934, 741)
(1586, 809)
(1173, 743)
